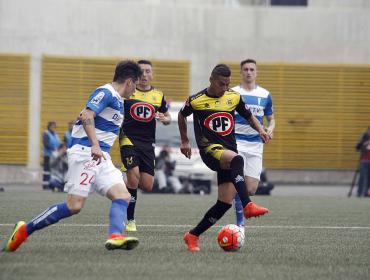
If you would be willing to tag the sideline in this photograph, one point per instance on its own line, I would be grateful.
(282, 227)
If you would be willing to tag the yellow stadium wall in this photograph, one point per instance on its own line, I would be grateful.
(67, 83)
(14, 96)
(320, 111)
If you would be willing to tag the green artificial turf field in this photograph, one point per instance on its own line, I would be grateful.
(300, 238)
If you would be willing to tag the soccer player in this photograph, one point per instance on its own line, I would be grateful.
(250, 145)
(214, 112)
(90, 165)
(137, 136)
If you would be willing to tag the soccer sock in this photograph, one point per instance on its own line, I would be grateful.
(239, 210)
(50, 216)
(237, 177)
(117, 216)
(131, 206)
(211, 217)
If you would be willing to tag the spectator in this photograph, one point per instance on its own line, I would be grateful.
(67, 135)
(51, 143)
(364, 180)
(59, 168)
(164, 170)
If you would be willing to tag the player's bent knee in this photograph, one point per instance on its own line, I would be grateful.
(147, 188)
(75, 208)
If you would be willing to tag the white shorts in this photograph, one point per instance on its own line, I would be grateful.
(85, 176)
(252, 160)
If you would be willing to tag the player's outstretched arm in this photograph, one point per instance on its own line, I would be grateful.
(255, 124)
(183, 128)
(87, 119)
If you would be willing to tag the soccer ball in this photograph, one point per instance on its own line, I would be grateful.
(230, 238)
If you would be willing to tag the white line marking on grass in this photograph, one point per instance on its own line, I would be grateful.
(283, 227)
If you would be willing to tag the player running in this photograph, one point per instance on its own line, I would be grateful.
(250, 145)
(90, 165)
(214, 110)
(137, 137)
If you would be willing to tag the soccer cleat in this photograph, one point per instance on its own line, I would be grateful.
(253, 210)
(18, 237)
(242, 227)
(131, 225)
(192, 241)
(117, 241)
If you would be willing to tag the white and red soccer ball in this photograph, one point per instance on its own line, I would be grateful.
(231, 238)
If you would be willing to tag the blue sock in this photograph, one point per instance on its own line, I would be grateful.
(117, 216)
(50, 216)
(239, 211)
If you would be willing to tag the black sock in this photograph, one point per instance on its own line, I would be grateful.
(131, 206)
(237, 177)
(211, 217)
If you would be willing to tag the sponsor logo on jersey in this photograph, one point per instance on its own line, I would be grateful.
(143, 96)
(96, 100)
(218, 103)
(206, 105)
(230, 102)
(221, 123)
(143, 112)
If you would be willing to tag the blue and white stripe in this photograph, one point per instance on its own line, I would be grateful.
(108, 106)
(259, 102)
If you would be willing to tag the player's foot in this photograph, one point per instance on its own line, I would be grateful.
(192, 241)
(242, 227)
(131, 225)
(18, 237)
(253, 210)
(117, 241)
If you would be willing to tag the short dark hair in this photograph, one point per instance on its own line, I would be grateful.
(127, 69)
(221, 70)
(143, 61)
(50, 124)
(249, 60)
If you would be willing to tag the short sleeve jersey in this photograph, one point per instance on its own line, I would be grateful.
(214, 117)
(139, 124)
(108, 107)
(260, 103)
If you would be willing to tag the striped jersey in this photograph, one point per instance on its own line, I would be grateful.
(259, 102)
(108, 106)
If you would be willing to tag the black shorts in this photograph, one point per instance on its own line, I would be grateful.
(132, 156)
(211, 157)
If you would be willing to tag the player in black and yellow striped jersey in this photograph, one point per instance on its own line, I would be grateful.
(137, 136)
(213, 112)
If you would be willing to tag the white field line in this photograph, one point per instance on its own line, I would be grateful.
(282, 227)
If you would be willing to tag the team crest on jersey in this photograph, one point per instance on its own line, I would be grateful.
(230, 102)
(143, 112)
(221, 123)
(154, 98)
(96, 100)
(218, 103)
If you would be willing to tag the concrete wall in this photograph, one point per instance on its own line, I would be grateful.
(204, 34)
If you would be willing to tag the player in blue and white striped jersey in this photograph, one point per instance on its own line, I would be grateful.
(90, 165)
(250, 145)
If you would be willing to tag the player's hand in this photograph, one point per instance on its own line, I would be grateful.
(97, 154)
(186, 149)
(160, 117)
(265, 137)
(269, 132)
